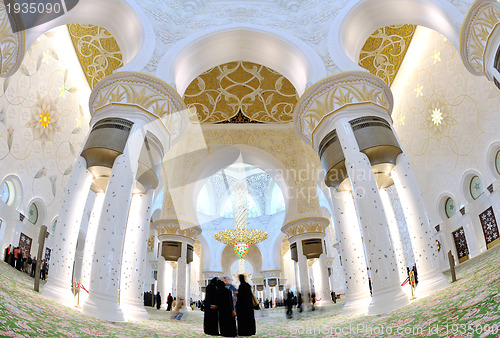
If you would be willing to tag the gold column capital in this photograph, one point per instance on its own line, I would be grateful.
(177, 227)
(334, 93)
(308, 225)
(482, 18)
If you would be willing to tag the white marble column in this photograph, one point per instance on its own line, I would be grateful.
(305, 289)
(395, 236)
(387, 294)
(357, 290)
(164, 278)
(323, 291)
(337, 278)
(181, 287)
(430, 279)
(267, 290)
(134, 257)
(296, 275)
(188, 285)
(107, 258)
(59, 284)
(88, 250)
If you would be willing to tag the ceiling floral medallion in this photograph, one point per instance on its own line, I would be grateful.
(439, 120)
(258, 93)
(44, 119)
(97, 51)
(385, 50)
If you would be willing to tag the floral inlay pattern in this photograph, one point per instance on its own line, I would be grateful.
(97, 51)
(385, 50)
(44, 119)
(261, 94)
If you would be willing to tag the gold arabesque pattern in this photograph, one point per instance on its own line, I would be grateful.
(97, 51)
(260, 93)
(385, 50)
(12, 45)
(478, 25)
(175, 229)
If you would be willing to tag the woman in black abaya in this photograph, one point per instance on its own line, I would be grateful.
(211, 316)
(227, 324)
(244, 309)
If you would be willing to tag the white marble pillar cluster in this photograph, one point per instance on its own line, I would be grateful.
(184, 233)
(387, 294)
(298, 231)
(421, 234)
(59, 284)
(118, 228)
(134, 257)
(323, 289)
(357, 291)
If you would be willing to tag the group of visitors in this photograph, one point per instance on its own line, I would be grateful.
(15, 257)
(225, 306)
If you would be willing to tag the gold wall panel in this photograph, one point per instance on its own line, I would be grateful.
(97, 51)
(385, 50)
(260, 93)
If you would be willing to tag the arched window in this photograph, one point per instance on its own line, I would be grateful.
(450, 207)
(497, 162)
(33, 213)
(476, 187)
(5, 192)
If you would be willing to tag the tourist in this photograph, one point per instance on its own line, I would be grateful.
(6, 253)
(289, 304)
(33, 267)
(170, 300)
(244, 309)
(158, 300)
(227, 324)
(299, 302)
(210, 317)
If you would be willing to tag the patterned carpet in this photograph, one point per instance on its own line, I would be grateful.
(468, 308)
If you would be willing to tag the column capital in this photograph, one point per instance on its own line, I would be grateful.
(12, 45)
(177, 228)
(481, 20)
(143, 93)
(332, 95)
(310, 227)
(271, 273)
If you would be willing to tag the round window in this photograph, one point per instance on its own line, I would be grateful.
(476, 187)
(450, 207)
(33, 213)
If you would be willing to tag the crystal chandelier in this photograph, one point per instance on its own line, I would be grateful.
(241, 237)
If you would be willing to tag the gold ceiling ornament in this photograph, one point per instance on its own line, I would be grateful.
(336, 92)
(151, 243)
(173, 227)
(260, 93)
(197, 247)
(483, 17)
(97, 51)
(309, 225)
(12, 45)
(385, 50)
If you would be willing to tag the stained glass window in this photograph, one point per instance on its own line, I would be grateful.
(450, 207)
(33, 213)
(476, 187)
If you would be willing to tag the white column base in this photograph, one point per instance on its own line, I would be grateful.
(387, 300)
(133, 309)
(356, 304)
(430, 283)
(55, 291)
(103, 306)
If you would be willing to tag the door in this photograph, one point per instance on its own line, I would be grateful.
(461, 244)
(490, 227)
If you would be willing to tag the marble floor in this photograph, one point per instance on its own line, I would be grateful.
(468, 308)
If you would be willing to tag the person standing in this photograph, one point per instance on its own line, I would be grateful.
(244, 309)
(170, 300)
(227, 323)
(211, 314)
(6, 254)
(158, 300)
(289, 304)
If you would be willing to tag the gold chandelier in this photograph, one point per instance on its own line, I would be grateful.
(241, 237)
